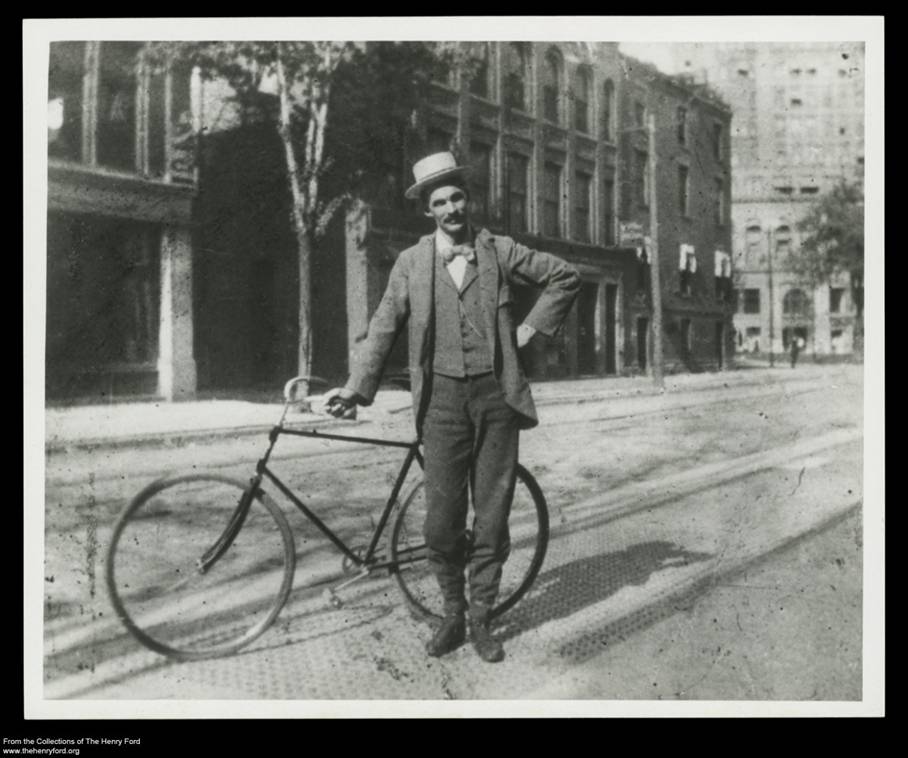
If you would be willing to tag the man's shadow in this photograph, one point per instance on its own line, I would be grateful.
(566, 589)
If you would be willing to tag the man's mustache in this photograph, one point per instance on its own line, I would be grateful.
(454, 217)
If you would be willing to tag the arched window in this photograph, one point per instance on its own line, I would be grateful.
(783, 241)
(551, 85)
(516, 75)
(608, 110)
(795, 303)
(582, 91)
(753, 240)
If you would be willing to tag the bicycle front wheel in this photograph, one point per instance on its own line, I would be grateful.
(528, 525)
(178, 581)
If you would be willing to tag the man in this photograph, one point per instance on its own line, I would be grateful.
(797, 344)
(470, 395)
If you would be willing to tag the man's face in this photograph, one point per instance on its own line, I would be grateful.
(448, 206)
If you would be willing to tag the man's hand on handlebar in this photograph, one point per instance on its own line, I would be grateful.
(341, 403)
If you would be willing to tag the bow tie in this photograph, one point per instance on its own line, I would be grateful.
(452, 252)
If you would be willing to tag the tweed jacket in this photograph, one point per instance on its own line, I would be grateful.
(409, 301)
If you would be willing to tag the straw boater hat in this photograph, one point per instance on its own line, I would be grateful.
(434, 169)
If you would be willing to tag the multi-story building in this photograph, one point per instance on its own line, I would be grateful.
(121, 179)
(798, 130)
(555, 135)
(692, 193)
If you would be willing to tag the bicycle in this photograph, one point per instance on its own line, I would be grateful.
(200, 565)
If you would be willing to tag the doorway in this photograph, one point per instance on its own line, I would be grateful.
(611, 328)
(642, 343)
(720, 344)
(587, 303)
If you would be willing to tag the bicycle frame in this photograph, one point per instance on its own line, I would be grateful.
(262, 471)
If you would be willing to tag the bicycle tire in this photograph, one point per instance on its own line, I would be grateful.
(152, 573)
(529, 528)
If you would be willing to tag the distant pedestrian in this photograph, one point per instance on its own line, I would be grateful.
(797, 344)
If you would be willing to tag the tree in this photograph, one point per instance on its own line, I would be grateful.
(832, 242)
(382, 85)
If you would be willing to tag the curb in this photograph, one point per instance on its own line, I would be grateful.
(181, 438)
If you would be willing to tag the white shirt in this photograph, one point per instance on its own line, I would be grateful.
(458, 265)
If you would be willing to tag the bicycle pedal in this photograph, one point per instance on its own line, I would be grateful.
(331, 598)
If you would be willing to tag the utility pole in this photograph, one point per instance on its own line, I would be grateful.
(658, 378)
(772, 334)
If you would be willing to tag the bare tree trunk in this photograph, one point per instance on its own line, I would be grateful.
(301, 231)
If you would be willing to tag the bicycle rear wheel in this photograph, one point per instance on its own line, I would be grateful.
(529, 530)
(154, 575)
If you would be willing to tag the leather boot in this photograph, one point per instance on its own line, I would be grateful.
(449, 636)
(485, 645)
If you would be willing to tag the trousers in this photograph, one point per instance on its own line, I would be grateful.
(470, 441)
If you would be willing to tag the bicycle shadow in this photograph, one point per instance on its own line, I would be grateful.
(567, 589)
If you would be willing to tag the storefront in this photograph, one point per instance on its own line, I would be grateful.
(119, 252)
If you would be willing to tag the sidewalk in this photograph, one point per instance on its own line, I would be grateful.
(170, 424)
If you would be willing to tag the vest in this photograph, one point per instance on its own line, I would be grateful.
(461, 344)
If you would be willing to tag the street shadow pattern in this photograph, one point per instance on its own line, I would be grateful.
(571, 587)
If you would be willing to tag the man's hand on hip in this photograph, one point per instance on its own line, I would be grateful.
(525, 333)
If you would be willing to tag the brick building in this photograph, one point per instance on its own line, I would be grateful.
(693, 186)
(554, 133)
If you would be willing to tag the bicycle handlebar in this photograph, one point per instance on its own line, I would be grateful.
(291, 385)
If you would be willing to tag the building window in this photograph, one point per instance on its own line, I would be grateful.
(783, 241)
(687, 344)
(796, 102)
(681, 124)
(583, 188)
(608, 199)
(117, 88)
(582, 79)
(688, 267)
(479, 81)
(480, 179)
(641, 176)
(751, 301)
(794, 303)
(124, 122)
(683, 190)
(518, 60)
(438, 141)
(717, 141)
(753, 241)
(105, 274)
(64, 100)
(784, 190)
(551, 85)
(720, 202)
(518, 182)
(608, 110)
(836, 296)
(551, 205)
(809, 190)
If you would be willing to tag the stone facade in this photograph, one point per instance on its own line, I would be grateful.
(798, 130)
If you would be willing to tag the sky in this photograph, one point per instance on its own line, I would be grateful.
(656, 53)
